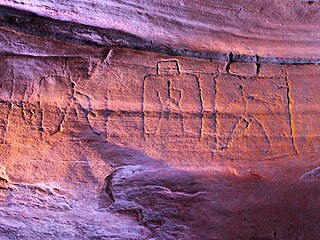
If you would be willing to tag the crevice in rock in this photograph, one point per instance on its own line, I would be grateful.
(290, 117)
(230, 59)
(258, 65)
(107, 189)
(303, 2)
(201, 108)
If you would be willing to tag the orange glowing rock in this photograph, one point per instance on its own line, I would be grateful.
(182, 120)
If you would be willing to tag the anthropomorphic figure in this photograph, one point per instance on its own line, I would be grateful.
(253, 117)
(172, 102)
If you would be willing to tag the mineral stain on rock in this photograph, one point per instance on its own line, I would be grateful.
(180, 120)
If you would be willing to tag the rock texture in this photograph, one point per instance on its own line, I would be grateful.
(113, 127)
(273, 28)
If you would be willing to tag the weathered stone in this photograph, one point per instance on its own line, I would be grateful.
(314, 174)
(180, 120)
(243, 69)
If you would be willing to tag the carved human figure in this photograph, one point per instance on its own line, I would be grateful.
(72, 102)
(172, 102)
(253, 116)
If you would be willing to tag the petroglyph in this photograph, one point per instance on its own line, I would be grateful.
(246, 119)
(214, 112)
(252, 116)
(172, 103)
(75, 107)
(77, 104)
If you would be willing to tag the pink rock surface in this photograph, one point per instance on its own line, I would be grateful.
(100, 141)
(273, 28)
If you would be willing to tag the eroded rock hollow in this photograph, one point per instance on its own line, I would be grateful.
(159, 120)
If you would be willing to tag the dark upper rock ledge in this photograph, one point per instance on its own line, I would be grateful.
(86, 39)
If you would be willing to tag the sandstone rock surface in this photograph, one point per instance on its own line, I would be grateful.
(273, 28)
(114, 127)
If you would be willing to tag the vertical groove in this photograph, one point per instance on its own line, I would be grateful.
(201, 106)
(290, 113)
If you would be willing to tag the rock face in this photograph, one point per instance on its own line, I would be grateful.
(273, 28)
(109, 132)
